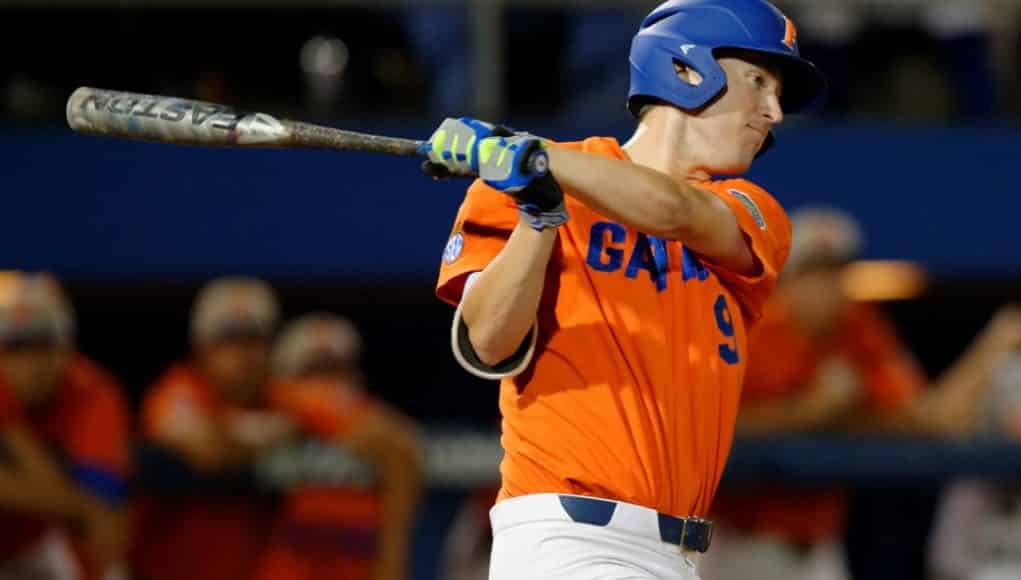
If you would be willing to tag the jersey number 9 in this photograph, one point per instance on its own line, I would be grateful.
(725, 322)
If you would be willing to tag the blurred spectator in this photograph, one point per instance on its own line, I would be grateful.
(828, 28)
(964, 33)
(910, 61)
(342, 531)
(596, 78)
(64, 447)
(977, 535)
(470, 538)
(210, 414)
(819, 361)
(441, 37)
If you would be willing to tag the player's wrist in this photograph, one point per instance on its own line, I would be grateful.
(540, 220)
(541, 203)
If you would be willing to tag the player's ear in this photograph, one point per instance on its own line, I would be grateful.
(687, 74)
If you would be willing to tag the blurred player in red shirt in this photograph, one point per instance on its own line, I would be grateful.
(64, 442)
(348, 530)
(211, 412)
(820, 361)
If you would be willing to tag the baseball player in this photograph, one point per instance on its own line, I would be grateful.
(64, 432)
(350, 531)
(612, 294)
(822, 362)
(210, 412)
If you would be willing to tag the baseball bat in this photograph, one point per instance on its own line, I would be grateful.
(189, 122)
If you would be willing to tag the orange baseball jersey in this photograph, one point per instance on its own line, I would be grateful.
(214, 537)
(85, 424)
(634, 387)
(783, 362)
(324, 408)
(324, 532)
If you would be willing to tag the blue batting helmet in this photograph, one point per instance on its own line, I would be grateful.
(689, 31)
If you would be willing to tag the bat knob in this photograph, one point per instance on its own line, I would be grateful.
(538, 163)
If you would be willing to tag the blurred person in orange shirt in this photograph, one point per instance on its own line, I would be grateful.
(347, 530)
(820, 361)
(212, 413)
(64, 442)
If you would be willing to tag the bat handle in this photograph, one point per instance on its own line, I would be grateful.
(536, 164)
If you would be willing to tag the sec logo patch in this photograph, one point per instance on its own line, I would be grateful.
(454, 246)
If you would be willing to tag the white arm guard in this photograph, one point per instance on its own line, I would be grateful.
(469, 360)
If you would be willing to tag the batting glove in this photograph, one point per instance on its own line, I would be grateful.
(453, 149)
(519, 167)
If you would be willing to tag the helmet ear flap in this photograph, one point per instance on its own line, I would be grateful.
(653, 73)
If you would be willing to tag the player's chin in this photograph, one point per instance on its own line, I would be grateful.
(738, 162)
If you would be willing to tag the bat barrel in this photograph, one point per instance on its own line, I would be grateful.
(169, 120)
(184, 121)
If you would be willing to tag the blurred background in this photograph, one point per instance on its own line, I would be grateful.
(917, 146)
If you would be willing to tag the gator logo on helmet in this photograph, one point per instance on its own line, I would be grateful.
(790, 34)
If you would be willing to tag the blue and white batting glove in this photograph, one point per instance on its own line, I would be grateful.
(519, 167)
(453, 148)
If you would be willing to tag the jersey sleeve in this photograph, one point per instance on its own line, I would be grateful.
(767, 230)
(325, 409)
(100, 445)
(483, 224)
(102, 433)
(174, 405)
(892, 376)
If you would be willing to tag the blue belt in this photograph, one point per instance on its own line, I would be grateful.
(688, 533)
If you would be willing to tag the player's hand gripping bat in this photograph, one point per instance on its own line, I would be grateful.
(188, 122)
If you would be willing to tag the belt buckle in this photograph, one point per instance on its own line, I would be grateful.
(707, 528)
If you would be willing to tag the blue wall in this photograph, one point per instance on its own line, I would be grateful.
(93, 208)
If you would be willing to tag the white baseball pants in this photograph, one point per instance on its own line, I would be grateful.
(534, 538)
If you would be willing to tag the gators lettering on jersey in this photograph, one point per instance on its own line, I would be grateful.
(633, 390)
